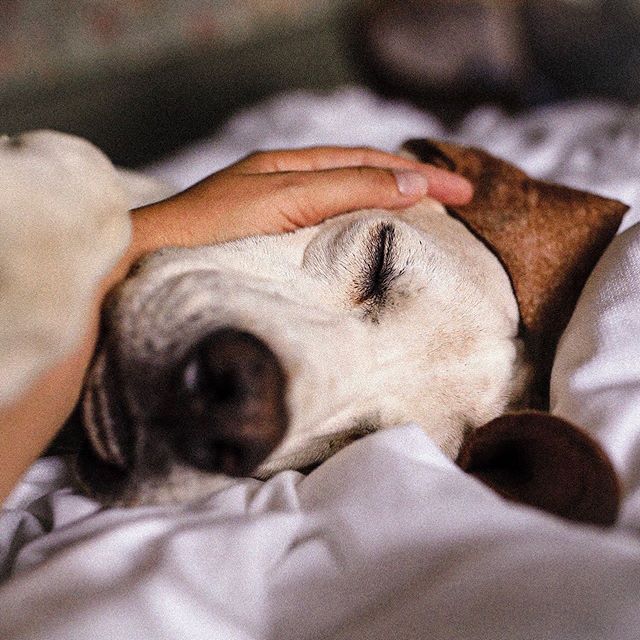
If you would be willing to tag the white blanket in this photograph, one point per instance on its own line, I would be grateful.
(387, 539)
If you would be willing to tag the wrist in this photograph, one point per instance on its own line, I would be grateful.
(146, 236)
(156, 226)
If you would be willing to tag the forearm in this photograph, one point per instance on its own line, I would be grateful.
(28, 425)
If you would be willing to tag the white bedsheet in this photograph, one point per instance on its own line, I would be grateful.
(387, 539)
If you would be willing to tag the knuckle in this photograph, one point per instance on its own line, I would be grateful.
(295, 201)
(261, 162)
(294, 213)
(372, 154)
(290, 182)
(363, 154)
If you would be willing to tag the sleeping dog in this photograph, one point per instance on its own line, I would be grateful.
(272, 353)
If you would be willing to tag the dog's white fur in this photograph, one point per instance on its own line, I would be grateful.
(443, 351)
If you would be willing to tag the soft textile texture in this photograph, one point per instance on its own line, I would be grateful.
(64, 215)
(388, 538)
(596, 376)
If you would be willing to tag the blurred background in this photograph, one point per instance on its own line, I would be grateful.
(141, 78)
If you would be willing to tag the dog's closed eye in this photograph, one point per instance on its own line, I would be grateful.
(380, 267)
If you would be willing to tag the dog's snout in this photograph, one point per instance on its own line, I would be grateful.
(229, 412)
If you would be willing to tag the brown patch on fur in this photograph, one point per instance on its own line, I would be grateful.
(546, 462)
(430, 153)
(547, 237)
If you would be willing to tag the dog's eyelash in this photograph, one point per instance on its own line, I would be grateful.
(380, 266)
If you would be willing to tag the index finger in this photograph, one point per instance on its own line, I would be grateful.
(320, 159)
(445, 186)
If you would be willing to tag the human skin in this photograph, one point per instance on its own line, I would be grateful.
(265, 193)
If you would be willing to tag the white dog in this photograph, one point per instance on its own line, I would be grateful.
(366, 321)
(272, 353)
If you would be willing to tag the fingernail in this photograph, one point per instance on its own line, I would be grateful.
(411, 183)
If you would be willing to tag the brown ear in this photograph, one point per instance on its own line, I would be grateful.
(546, 462)
(547, 237)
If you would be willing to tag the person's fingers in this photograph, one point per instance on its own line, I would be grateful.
(445, 186)
(226, 206)
(318, 159)
(300, 199)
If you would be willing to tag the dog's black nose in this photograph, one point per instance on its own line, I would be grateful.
(229, 411)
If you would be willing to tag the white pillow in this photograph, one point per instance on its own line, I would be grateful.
(596, 376)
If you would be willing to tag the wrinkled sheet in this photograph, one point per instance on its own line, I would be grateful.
(387, 539)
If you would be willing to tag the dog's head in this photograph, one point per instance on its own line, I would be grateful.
(274, 352)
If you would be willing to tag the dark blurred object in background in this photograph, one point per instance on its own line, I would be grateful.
(444, 54)
(143, 78)
(449, 55)
(585, 47)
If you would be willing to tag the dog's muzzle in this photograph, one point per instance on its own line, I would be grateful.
(227, 411)
(220, 409)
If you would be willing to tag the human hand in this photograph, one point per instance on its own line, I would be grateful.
(279, 191)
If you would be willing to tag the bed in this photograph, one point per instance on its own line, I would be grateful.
(388, 538)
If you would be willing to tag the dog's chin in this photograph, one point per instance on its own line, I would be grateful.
(114, 486)
(181, 484)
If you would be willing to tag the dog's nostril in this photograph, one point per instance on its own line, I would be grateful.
(229, 410)
(214, 381)
(226, 386)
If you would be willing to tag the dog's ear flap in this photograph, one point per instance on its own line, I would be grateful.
(546, 462)
(547, 237)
